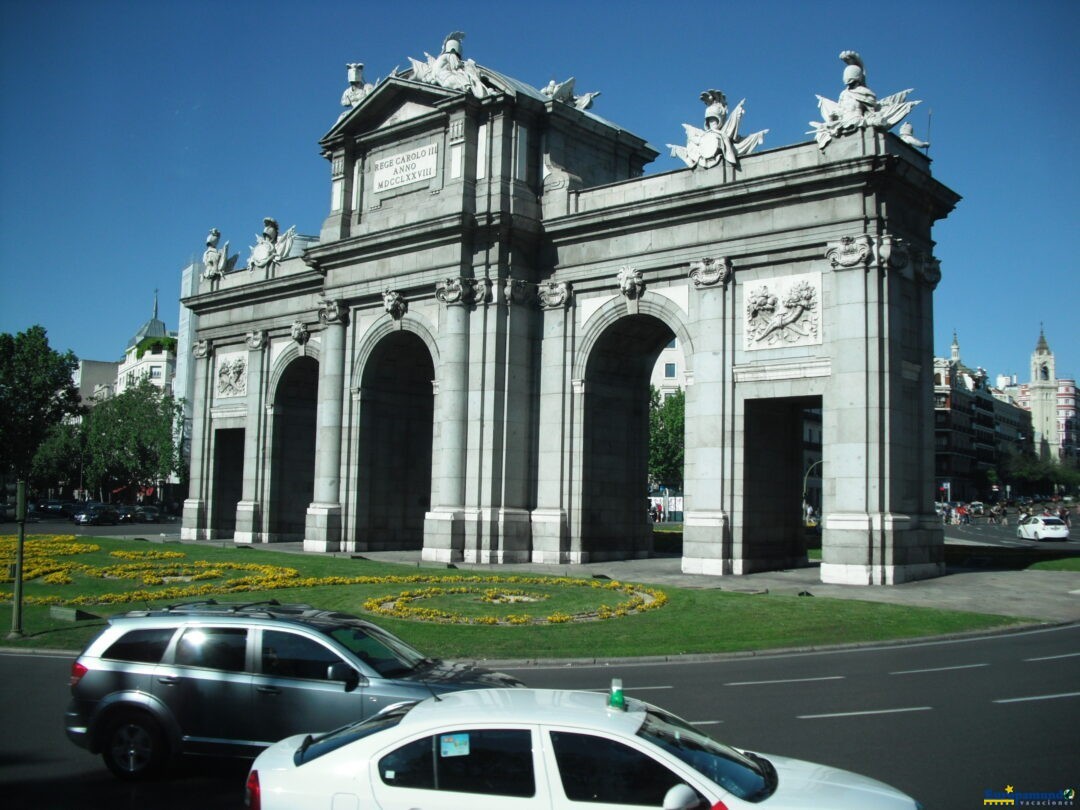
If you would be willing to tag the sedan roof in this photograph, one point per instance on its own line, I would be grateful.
(549, 706)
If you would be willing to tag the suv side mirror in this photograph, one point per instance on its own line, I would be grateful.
(681, 797)
(343, 672)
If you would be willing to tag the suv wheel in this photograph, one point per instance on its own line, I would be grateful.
(134, 747)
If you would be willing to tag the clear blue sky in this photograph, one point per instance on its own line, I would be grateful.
(128, 128)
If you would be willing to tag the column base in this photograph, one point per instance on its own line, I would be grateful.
(248, 515)
(322, 527)
(193, 525)
(444, 535)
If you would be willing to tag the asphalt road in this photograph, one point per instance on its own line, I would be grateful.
(944, 721)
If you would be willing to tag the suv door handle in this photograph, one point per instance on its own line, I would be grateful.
(268, 690)
(168, 679)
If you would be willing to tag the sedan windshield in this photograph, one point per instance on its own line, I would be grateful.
(384, 652)
(745, 776)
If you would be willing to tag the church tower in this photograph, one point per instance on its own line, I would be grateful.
(1042, 391)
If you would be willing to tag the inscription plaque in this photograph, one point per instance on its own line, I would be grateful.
(406, 168)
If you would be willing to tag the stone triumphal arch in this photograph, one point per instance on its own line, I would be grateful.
(459, 363)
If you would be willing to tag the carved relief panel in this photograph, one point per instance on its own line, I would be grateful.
(782, 312)
(231, 375)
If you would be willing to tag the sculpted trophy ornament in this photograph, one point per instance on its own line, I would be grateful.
(858, 106)
(271, 250)
(720, 140)
(564, 92)
(449, 70)
(357, 90)
(217, 263)
(907, 135)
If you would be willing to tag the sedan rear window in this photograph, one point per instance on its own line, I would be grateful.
(315, 747)
(1053, 522)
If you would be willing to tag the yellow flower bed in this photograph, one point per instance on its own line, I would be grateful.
(173, 578)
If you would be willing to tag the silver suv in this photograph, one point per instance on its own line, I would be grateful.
(230, 679)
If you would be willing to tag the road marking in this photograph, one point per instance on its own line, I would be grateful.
(706, 722)
(1038, 697)
(790, 680)
(858, 714)
(937, 669)
(1054, 657)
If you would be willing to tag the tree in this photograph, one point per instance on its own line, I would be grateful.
(666, 438)
(132, 439)
(36, 393)
(60, 457)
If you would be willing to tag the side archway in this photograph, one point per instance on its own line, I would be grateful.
(294, 386)
(614, 368)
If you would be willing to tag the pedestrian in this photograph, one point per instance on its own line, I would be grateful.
(1005, 515)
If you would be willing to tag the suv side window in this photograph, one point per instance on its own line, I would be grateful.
(595, 769)
(290, 655)
(495, 762)
(223, 648)
(141, 646)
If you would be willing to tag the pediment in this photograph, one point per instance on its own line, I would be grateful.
(394, 101)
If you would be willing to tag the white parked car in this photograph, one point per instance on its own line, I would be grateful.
(510, 749)
(1042, 527)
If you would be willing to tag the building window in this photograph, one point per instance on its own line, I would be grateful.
(155, 372)
(669, 371)
(672, 344)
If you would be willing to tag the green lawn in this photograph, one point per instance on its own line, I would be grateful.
(691, 621)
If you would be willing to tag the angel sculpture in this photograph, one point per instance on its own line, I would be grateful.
(858, 107)
(564, 92)
(720, 140)
(449, 70)
(270, 249)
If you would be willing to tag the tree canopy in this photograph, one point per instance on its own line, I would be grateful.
(36, 393)
(666, 438)
(131, 439)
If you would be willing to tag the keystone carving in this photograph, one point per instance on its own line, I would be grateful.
(631, 284)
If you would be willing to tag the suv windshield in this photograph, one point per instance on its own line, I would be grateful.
(746, 776)
(385, 653)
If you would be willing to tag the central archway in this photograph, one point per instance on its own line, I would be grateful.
(615, 434)
(397, 413)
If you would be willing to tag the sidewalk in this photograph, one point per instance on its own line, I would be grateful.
(1052, 596)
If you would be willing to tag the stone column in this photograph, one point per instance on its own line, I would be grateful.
(248, 512)
(444, 538)
(708, 470)
(194, 525)
(550, 522)
(323, 524)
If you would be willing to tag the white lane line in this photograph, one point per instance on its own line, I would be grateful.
(1054, 657)
(789, 680)
(1038, 697)
(706, 722)
(859, 714)
(937, 669)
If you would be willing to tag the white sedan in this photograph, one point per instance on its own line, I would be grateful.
(526, 749)
(1042, 527)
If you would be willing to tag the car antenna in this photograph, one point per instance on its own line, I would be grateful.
(433, 694)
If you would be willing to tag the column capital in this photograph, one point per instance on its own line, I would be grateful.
(333, 312)
(202, 348)
(463, 291)
(256, 339)
(710, 271)
(555, 294)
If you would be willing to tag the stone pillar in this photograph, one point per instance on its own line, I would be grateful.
(550, 522)
(248, 512)
(323, 524)
(708, 469)
(194, 523)
(444, 537)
